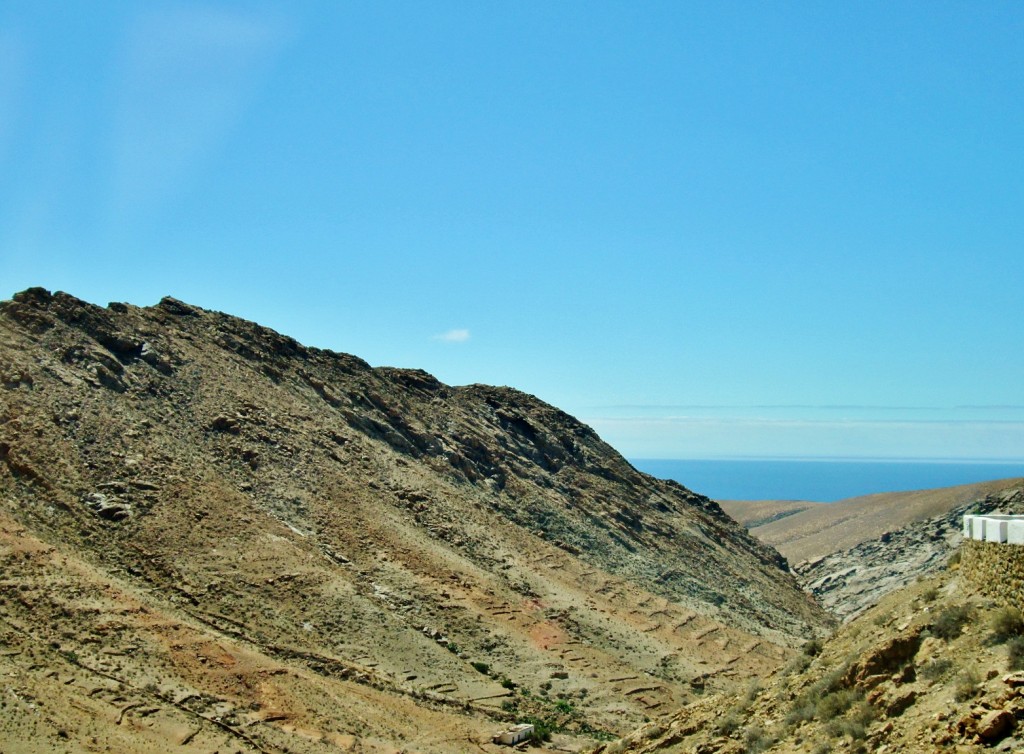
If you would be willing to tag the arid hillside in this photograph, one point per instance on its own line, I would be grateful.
(806, 531)
(216, 539)
(935, 667)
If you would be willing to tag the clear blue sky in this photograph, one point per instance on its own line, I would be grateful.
(708, 229)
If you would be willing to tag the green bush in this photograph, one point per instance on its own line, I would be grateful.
(812, 648)
(951, 621)
(481, 667)
(542, 729)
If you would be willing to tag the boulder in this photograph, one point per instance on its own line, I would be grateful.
(995, 725)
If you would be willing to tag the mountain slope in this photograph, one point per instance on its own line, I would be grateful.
(824, 528)
(849, 582)
(472, 555)
(935, 667)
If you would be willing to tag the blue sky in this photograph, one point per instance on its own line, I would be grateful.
(708, 229)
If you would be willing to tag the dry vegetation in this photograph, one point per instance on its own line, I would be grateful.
(932, 668)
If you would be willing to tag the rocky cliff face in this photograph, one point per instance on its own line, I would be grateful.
(441, 545)
(849, 582)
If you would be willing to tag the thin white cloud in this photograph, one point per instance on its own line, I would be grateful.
(459, 335)
(708, 437)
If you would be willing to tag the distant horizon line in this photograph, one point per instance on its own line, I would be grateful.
(830, 406)
(840, 459)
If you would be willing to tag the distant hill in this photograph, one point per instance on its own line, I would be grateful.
(806, 531)
(755, 513)
(215, 538)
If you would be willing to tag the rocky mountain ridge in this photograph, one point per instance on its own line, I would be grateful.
(435, 559)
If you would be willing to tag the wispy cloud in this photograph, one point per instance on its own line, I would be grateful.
(188, 75)
(718, 437)
(459, 335)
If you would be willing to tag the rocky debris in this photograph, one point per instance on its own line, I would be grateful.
(899, 703)
(879, 684)
(882, 661)
(849, 582)
(108, 507)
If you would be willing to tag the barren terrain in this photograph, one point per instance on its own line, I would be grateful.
(214, 538)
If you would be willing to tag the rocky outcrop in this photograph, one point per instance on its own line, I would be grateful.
(849, 582)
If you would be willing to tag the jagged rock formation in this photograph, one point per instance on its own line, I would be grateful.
(849, 582)
(178, 484)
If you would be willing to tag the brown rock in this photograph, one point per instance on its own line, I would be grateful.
(995, 725)
(899, 704)
(885, 659)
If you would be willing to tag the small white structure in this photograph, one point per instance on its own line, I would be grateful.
(515, 734)
(995, 527)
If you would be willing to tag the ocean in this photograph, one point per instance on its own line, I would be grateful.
(822, 481)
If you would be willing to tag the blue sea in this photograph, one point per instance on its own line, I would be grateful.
(822, 481)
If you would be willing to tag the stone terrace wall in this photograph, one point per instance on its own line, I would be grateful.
(994, 569)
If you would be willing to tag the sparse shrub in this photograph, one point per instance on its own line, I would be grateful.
(929, 595)
(798, 664)
(1015, 650)
(822, 748)
(966, 685)
(756, 740)
(835, 704)
(508, 683)
(954, 560)
(1006, 624)
(936, 668)
(481, 667)
(855, 723)
(753, 690)
(564, 706)
(729, 723)
(818, 699)
(801, 713)
(951, 621)
(812, 648)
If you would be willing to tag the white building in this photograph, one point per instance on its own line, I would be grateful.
(515, 734)
(995, 527)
